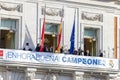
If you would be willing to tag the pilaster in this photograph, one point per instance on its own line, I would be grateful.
(30, 73)
(51, 76)
(1, 78)
(112, 77)
(78, 75)
(118, 76)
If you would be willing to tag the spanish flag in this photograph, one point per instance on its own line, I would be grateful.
(59, 36)
(43, 34)
(1, 53)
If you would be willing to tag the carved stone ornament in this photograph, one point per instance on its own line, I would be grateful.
(10, 7)
(53, 11)
(92, 16)
(51, 76)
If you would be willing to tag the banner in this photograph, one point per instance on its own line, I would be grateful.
(58, 59)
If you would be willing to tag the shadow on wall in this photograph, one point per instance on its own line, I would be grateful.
(28, 39)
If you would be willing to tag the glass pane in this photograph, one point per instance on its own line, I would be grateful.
(51, 27)
(9, 23)
(89, 32)
(7, 39)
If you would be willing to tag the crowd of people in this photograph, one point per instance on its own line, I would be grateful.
(62, 50)
(37, 49)
(81, 52)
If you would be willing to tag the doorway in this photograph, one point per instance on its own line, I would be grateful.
(90, 44)
(51, 35)
(7, 39)
(91, 36)
(51, 41)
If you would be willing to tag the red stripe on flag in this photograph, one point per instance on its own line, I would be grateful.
(42, 37)
(1, 52)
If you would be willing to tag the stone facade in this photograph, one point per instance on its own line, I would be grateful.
(28, 15)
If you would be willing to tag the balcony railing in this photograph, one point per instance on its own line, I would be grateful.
(46, 60)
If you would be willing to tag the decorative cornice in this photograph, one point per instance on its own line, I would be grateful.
(92, 16)
(11, 6)
(50, 11)
(56, 67)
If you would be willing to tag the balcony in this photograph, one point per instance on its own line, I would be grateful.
(9, 57)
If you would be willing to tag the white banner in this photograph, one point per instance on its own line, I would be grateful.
(60, 59)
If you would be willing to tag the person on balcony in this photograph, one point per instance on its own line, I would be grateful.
(51, 49)
(75, 51)
(87, 53)
(27, 47)
(80, 51)
(100, 53)
(37, 48)
(61, 50)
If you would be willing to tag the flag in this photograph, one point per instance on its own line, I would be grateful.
(1, 53)
(59, 36)
(43, 34)
(72, 38)
(28, 38)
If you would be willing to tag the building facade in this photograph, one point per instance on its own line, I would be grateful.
(96, 28)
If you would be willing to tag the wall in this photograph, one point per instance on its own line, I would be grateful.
(29, 24)
(108, 34)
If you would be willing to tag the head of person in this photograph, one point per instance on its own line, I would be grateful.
(87, 51)
(37, 44)
(100, 51)
(27, 44)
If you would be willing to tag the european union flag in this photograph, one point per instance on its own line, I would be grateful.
(72, 39)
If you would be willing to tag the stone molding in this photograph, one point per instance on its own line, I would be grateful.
(30, 73)
(78, 75)
(51, 76)
(50, 11)
(11, 6)
(92, 16)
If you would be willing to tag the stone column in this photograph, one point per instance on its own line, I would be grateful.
(55, 76)
(78, 76)
(112, 77)
(51, 76)
(118, 76)
(30, 73)
(1, 78)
